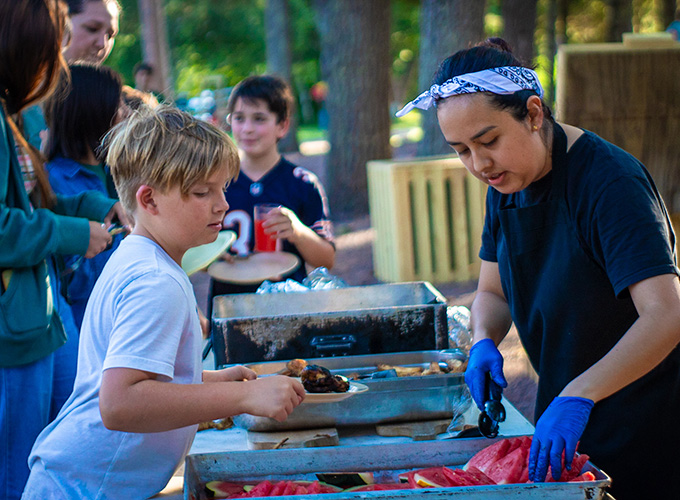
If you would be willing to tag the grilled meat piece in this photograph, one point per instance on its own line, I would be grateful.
(317, 378)
(402, 371)
(294, 368)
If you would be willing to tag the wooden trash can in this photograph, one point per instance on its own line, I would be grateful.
(428, 215)
(629, 94)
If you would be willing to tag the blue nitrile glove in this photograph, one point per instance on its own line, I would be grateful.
(485, 358)
(558, 430)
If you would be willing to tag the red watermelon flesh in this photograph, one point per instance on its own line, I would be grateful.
(290, 489)
(433, 477)
(261, 489)
(278, 488)
(301, 490)
(487, 456)
(508, 470)
(586, 476)
(470, 477)
(567, 475)
(379, 487)
(407, 477)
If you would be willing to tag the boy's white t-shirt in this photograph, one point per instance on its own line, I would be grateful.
(141, 314)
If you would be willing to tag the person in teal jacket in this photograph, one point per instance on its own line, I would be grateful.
(32, 230)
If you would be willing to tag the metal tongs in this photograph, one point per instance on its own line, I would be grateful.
(493, 413)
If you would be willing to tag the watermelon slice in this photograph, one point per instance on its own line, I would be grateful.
(301, 490)
(487, 456)
(379, 487)
(278, 488)
(317, 487)
(471, 477)
(261, 489)
(567, 475)
(408, 477)
(433, 477)
(224, 489)
(586, 476)
(509, 469)
(346, 479)
(290, 489)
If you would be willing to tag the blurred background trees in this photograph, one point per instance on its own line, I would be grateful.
(356, 61)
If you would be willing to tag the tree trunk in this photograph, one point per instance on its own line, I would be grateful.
(561, 23)
(155, 47)
(279, 58)
(551, 49)
(665, 12)
(445, 28)
(618, 19)
(519, 27)
(355, 62)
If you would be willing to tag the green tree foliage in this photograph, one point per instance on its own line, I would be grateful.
(218, 42)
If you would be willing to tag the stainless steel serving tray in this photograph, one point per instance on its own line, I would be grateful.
(385, 460)
(395, 317)
(401, 399)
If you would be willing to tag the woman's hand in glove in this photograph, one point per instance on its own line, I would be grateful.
(485, 358)
(558, 430)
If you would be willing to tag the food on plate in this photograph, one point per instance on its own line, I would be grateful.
(294, 368)
(317, 379)
(219, 424)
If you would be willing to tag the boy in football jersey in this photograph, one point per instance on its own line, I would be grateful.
(259, 114)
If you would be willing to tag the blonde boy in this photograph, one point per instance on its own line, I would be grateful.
(140, 390)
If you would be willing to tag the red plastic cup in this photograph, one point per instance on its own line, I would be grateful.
(263, 242)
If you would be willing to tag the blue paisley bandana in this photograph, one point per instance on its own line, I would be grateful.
(503, 80)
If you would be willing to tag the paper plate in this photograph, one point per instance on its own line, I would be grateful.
(198, 258)
(331, 397)
(255, 268)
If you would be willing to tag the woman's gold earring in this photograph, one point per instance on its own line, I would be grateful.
(534, 128)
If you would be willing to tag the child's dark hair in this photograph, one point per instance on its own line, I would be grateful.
(80, 117)
(271, 89)
(491, 53)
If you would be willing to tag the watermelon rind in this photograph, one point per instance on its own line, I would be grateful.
(346, 479)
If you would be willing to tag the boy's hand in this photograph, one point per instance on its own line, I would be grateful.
(235, 373)
(283, 224)
(274, 397)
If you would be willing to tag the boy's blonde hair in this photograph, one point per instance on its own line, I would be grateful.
(164, 148)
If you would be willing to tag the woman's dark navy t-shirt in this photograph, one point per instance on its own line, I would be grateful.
(615, 209)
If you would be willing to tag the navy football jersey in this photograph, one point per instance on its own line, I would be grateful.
(293, 187)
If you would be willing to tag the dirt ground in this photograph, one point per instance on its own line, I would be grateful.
(354, 264)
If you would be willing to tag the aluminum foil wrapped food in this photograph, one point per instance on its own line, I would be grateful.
(459, 327)
(318, 279)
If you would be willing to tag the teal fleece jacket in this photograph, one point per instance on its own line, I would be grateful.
(29, 327)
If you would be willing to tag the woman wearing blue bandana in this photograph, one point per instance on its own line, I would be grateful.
(578, 252)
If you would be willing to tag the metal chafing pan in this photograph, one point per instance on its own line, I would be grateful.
(386, 461)
(396, 317)
(399, 399)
